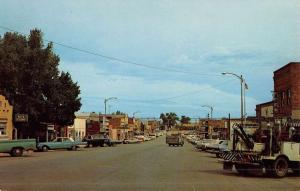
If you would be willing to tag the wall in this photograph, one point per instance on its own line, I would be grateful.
(6, 118)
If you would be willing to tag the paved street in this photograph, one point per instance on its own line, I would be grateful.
(148, 166)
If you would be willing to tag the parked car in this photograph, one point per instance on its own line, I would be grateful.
(61, 143)
(16, 147)
(141, 138)
(97, 140)
(130, 141)
(214, 146)
(147, 138)
(152, 136)
(205, 143)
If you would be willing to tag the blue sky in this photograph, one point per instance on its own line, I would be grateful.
(252, 38)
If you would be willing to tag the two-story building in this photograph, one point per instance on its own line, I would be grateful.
(287, 97)
(265, 114)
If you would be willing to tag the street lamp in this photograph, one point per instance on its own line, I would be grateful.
(104, 116)
(243, 87)
(211, 110)
(135, 113)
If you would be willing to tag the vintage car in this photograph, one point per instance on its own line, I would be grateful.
(16, 147)
(61, 143)
(97, 140)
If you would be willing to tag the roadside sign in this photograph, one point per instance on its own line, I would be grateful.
(50, 127)
(21, 117)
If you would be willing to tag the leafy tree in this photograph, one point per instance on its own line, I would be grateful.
(118, 113)
(185, 120)
(169, 119)
(31, 81)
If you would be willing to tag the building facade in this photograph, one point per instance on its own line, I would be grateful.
(6, 118)
(265, 114)
(78, 130)
(287, 97)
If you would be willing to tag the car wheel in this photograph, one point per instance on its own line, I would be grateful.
(16, 152)
(73, 148)
(280, 168)
(44, 148)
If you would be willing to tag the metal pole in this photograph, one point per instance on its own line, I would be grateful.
(103, 118)
(242, 109)
(245, 117)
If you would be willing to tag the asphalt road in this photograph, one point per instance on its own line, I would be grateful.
(148, 166)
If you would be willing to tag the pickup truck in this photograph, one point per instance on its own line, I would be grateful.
(174, 139)
(60, 143)
(98, 140)
(16, 147)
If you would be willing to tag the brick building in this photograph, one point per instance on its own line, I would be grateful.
(287, 96)
(265, 114)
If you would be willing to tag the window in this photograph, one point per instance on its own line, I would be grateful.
(288, 100)
(283, 98)
(59, 140)
(2, 128)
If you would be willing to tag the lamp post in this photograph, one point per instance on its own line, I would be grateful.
(104, 116)
(135, 113)
(211, 110)
(243, 87)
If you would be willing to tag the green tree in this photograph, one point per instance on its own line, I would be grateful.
(169, 119)
(118, 113)
(31, 81)
(185, 120)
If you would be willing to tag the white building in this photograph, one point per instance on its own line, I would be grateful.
(78, 130)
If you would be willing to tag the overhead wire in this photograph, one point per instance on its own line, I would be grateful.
(154, 101)
(119, 60)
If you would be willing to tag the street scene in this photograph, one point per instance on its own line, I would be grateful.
(149, 95)
(148, 166)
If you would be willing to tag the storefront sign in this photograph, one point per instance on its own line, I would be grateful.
(21, 118)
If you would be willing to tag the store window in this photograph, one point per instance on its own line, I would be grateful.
(2, 128)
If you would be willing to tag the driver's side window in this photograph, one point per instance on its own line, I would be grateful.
(58, 140)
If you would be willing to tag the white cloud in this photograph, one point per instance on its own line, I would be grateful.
(160, 95)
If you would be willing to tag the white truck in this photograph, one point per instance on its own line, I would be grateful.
(273, 157)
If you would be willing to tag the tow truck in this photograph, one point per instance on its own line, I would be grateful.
(273, 157)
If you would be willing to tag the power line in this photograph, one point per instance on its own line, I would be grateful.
(168, 98)
(118, 59)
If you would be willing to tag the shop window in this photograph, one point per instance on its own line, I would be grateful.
(2, 128)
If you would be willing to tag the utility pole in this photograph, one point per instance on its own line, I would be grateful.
(104, 116)
(243, 87)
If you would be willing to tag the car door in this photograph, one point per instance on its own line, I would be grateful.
(67, 143)
(56, 144)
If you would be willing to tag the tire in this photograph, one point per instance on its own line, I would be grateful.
(16, 152)
(73, 148)
(169, 145)
(45, 148)
(280, 167)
